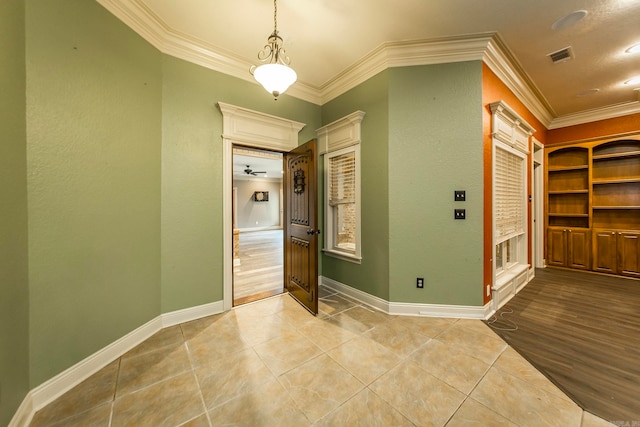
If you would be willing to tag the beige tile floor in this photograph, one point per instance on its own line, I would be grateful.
(270, 363)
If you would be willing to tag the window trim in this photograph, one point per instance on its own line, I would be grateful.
(516, 238)
(330, 237)
(512, 134)
(341, 134)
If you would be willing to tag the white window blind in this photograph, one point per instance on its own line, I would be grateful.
(342, 201)
(509, 202)
(342, 186)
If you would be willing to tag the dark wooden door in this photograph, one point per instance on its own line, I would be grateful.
(301, 225)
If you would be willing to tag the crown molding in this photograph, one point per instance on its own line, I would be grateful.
(405, 54)
(137, 16)
(505, 66)
(609, 112)
(487, 47)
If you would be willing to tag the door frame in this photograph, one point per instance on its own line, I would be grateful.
(537, 221)
(252, 129)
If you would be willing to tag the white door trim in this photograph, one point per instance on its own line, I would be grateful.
(538, 204)
(254, 129)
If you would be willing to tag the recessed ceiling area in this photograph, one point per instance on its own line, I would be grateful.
(326, 39)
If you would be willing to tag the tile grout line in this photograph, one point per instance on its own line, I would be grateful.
(115, 391)
(193, 372)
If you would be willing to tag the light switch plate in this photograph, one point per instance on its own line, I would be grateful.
(459, 195)
(459, 214)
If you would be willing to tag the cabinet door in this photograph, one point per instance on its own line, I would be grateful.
(629, 254)
(556, 247)
(605, 258)
(578, 249)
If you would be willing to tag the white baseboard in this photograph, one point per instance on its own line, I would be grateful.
(509, 288)
(191, 313)
(356, 294)
(440, 310)
(409, 309)
(24, 414)
(50, 390)
(250, 229)
(53, 388)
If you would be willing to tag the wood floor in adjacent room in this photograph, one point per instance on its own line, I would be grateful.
(260, 271)
(582, 330)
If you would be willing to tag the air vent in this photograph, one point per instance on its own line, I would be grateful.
(561, 55)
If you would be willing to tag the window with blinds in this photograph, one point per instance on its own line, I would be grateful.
(342, 200)
(509, 194)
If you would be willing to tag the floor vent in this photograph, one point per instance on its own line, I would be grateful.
(561, 55)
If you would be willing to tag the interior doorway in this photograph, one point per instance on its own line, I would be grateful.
(258, 252)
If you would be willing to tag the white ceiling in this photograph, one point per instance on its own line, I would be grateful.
(328, 39)
(272, 166)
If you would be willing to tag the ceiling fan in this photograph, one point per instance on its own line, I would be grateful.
(249, 171)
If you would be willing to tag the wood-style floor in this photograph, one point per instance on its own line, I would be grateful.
(582, 330)
(260, 273)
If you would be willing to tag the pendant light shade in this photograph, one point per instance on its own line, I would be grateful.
(274, 74)
(275, 78)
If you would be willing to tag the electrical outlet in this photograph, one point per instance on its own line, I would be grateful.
(459, 195)
(459, 214)
(420, 282)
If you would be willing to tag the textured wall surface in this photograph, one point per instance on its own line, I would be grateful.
(192, 162)
(435, 147)
(258, 214)
(601, 128)
(94, 138)
(372, 276)
(14, 292)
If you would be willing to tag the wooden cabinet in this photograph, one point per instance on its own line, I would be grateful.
(605, 255)
(616, 252)
(629, 254)
(593, 206)
(569, 247)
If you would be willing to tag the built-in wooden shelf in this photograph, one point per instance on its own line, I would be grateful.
(616, 155)
(601, 181)
(616, 207)
(567, 168)
(601, 178)
(560, 192)
(570, 215)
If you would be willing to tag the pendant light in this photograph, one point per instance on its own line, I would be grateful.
(274, 74)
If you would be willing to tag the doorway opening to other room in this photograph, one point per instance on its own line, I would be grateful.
(258, 251)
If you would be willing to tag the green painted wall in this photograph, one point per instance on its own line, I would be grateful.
(14, 286)
(192, 164)
(94, 138)
(124, 186)
(435, 147)
(372, 276)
